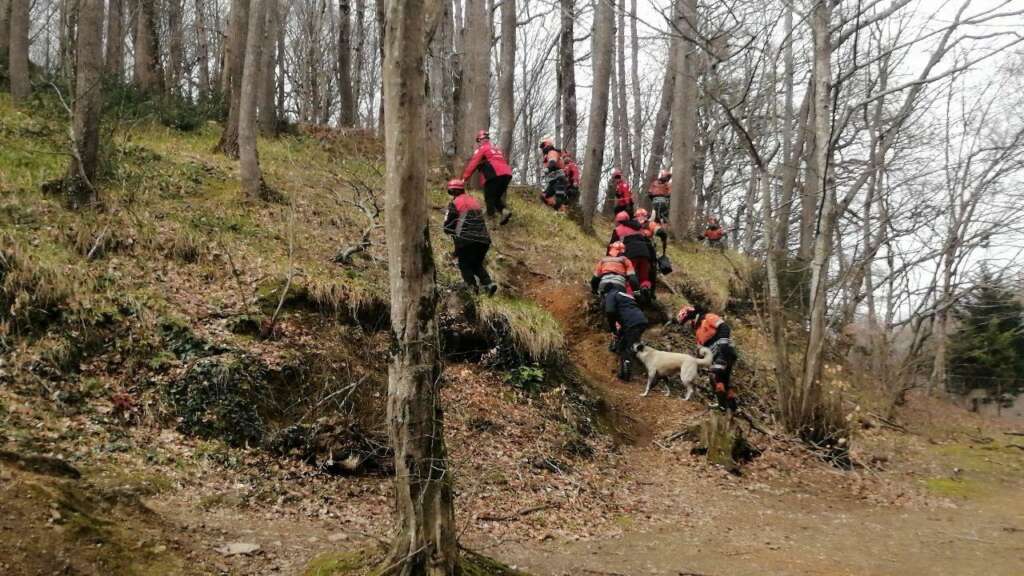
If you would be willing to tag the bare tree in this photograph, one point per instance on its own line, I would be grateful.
(567, 76)
(664, 114)
(202, 49)
(115, 39)
(604, 29)
(21, 87)
(684, 120)
(5, 30)
(148, 75)
(425, 539)
(267, 110)
(476, 63)
(506, 77)
(622, 101)
(231, 75)
(348, 104)
(175, 45)
(252, 177)
(88, 103)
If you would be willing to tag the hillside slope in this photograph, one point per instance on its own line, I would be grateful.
(184, 370)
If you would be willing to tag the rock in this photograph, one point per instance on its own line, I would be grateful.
(238, 549)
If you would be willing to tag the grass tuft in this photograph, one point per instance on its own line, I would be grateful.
(533, 331)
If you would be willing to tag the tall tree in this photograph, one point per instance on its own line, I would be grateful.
(425, 540)
(684, 121)
(231, 75)
(604, 29)
(175, 45)
(252, 177)
(347, 97)
(115, 39)
(267, 110)
(148, 75)
(664, 114)
(567, 74)
(622, 101)
(638, 114)
(506, 78)
(5, 30)
(202, 49)
(21, 87)
(88, 103)
(476, 77)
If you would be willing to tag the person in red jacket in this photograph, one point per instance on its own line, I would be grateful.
(572, 174)
(714, 233)
(714, 333)
(650, 230)
(660, 192)
(623, 193)
(465, 223)
(496, 174)
(550, 154)
(637, 249)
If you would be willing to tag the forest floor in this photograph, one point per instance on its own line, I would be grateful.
(97, 476)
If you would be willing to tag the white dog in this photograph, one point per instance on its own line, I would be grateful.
(663, 364)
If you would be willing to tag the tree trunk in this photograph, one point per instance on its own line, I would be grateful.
(567, 71)
(506, 77)
(681, 210)
(21, 87)
(820, 22)
(148, 77)
(604, 29)
(425, 540)
(664, 114)
(625, 143)
(638, 117)
(203, 50)
(267, 110)
(68, 14)
(231, 79)
(790, 157)
(88, 103)
(282, 72)
(5, 31)
(380, 6)
(475, 102)
(252, 177)
(348, 101)
(115, 40)
(176, 46)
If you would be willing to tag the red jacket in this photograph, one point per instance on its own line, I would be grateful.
(714, 233)
(489, 159)
(572, 172)
(552, 154)
(464, 221)
(659, 188)
(623, 194)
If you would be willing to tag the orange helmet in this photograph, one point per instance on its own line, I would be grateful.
(686, 313)
(456, 187)
(482, 135)
(616, 248)
(616, 173)
(621, 217)
(665, 175)
(641, 214)
(546, 143)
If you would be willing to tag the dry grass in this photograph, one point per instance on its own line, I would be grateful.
(533, 331)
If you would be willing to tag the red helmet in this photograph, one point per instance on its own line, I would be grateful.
(641, 214)
(546, 143)
(616, 173)
(616, 248)
(621, 217)
(482, 135)
(665, 175)
(686, 313)
(456, 186)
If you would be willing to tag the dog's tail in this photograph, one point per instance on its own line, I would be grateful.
(706, 357)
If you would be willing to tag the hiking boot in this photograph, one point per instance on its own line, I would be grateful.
(490, 289)
(506, 215)
(625, 370)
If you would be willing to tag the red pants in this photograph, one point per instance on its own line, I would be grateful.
(643, 271)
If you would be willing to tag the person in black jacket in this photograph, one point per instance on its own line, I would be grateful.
(627, 322)
(465, 223)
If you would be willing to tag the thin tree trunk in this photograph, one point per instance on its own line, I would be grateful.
(115, 40)
(681, 210)
(203, 50)
(234, 62)
(267, 110)
(625, 143)
(68, 14)
(506, 78)
(790, 157)
(820, 22)
(425, 540)
(381, 39)
(664, 114)
(448, 113)
(604, 29)
(148, 76)
(88, 103)
(282, 72)
(475, 104)
(360, 48)
(252, 177)
(638, 118)
(348, 102)
(567, 70)
(176, 46)
(5, 30)
(616, 120)
(21, 87)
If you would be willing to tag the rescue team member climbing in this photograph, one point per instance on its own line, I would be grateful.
(623, 193)
(496, 174)
(660, 191)
(637, 249)
(614, 271)
(465, 223)
(625, 320)
(714, 233)
(714, 333)
(572, 174)
(650, 229)
(556, 187)
(550, 154)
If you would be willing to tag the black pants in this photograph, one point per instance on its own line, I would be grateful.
(722, 362)
(628, 337)
(494, 194)
(471, 263)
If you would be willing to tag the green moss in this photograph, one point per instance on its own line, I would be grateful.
(952, 488)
